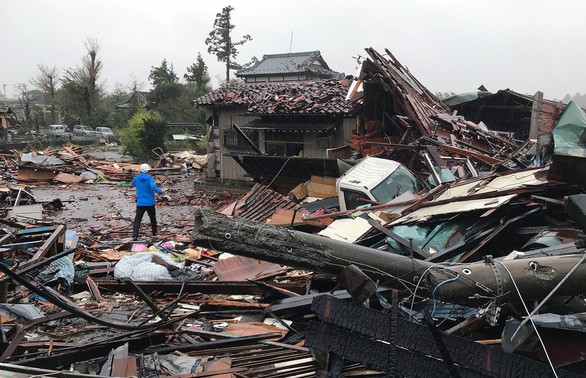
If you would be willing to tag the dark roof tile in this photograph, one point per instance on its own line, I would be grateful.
(308, 97)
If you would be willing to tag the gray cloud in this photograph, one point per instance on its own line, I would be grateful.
(451, 45)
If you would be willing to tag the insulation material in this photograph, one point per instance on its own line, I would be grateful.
(348, 230)
(452, 208)
(68, 178)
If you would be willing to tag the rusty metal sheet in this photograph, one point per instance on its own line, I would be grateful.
(28, 173)
(238, 268)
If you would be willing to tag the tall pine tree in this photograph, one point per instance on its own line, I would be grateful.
(220, 41)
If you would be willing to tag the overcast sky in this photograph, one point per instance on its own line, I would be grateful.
(449, 45)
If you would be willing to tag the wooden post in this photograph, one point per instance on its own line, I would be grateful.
(535, 111)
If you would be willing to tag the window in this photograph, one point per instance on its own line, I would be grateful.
(233, 141)
(284, 144)
(354, 199)
(398, 182)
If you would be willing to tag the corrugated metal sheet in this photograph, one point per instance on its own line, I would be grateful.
(239, 268)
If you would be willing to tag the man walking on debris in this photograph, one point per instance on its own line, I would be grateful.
(145, 199)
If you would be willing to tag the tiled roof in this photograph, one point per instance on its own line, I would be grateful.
(292, 63)
(262, 202)
(311, 97)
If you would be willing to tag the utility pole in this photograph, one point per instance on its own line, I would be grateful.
(4, 85)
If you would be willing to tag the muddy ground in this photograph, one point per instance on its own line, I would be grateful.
(112, 205)
(104, 206)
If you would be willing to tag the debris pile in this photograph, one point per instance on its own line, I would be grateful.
(472, 247)
(443, 248)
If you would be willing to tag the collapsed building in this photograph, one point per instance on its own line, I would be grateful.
(492, 249)
(418, 243)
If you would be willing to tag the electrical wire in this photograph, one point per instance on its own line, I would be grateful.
(277, 175)
(438, 286)
(417, 286)
(551, 293)
(530, 318)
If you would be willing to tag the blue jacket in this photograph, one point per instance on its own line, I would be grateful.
(145, 189)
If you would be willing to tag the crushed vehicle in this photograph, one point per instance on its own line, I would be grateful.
(375, 180)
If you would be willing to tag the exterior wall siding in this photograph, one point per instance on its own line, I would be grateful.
(230, 170)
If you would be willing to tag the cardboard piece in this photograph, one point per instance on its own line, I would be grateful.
(68, 178)
(321, 187)
(283, 217)
(318, 186)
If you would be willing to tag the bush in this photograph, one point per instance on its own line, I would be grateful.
(145, 132)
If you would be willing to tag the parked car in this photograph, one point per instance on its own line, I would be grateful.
(59, 131)
(82, 130)
(105, 132)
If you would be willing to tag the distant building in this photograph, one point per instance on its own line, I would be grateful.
(289, 67)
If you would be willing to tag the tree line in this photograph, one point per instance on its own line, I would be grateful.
(77, 95)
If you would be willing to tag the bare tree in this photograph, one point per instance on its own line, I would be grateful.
(82, 81)
(25, 97)
(46, 82)
(92, 65)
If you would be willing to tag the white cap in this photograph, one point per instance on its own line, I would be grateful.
(145, 167)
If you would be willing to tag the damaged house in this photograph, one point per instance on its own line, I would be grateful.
(283, 110)
(7, 118)
(482, 272)
(509, 112)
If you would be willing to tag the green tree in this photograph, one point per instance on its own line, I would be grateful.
(163, 74)
(166, 88)
(69, 98)
(169, 97)
(220, 42)
(145, 132)
(198, 74)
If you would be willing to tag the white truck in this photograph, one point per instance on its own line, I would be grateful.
(377, 180)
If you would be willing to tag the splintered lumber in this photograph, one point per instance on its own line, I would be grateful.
(468, 283)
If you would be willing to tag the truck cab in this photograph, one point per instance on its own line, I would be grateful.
(375, 180)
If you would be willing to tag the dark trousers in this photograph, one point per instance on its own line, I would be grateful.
(138, 219)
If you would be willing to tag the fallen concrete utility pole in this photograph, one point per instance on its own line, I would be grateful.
(464, 283)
